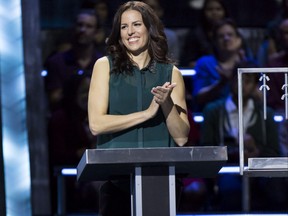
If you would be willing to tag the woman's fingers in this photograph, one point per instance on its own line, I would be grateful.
(161, 93)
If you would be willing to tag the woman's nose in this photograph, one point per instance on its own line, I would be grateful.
(130, 30)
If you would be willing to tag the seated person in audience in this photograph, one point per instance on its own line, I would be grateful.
(68, 129)
(198, 41)
(213, 72)
(279, 59)
(271, 43)
(172, 38)
(220, 127)
(69, 136)
(79, 59)
(102, 9)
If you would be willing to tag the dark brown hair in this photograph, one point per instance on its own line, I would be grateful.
(157, 42)
(220, 24)
(206, 24)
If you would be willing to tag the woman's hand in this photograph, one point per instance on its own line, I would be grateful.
(152, 109)
(163, 93)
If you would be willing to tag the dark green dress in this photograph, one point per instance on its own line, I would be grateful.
(132, 93)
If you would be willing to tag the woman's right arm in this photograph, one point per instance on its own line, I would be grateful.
(99, 121)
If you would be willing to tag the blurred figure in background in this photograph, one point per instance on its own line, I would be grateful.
(199, 41)
(220, 127)
(172, 38)
(66, 85)
(69, 136)
(214, 71)
(280, 59)
(102, 10)
(271, 43)
(78, 59)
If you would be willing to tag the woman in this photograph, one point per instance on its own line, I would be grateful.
(198, 41)
(136, 87)
(136, 97)
(213, 72)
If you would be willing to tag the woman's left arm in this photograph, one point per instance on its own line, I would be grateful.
(171, 98)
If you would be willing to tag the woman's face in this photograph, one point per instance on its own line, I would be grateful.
(227, 39)
(133, 32)
(214, 11)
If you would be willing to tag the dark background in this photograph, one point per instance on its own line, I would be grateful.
(178, 13)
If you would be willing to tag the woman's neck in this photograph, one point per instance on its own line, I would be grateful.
(141, 60)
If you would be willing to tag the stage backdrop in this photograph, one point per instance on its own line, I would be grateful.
(13, 109)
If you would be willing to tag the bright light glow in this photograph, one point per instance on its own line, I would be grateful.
(80, 72)
(278, 118)
(223, 170)
(44, 73)
(69, 171)
(187, 72)
(198, 118)
(229, 169)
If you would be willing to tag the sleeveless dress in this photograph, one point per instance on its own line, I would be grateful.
(131, 93)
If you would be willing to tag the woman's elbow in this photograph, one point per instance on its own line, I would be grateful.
(95, 129)
(181, 141)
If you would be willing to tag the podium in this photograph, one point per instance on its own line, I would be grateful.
(152, 172)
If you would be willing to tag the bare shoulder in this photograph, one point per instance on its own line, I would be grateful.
(176, 73)
(101, 65)
(102, 61)
(101, 70)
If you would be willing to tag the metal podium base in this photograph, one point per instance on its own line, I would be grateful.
(151, 194)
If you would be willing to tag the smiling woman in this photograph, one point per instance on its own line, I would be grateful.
(136, 96)
(134, 34)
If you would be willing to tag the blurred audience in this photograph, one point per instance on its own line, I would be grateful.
(77, 59)
(102, 10)
(214, 71)
(220, 127)
(198, 41)
(67, 84)
(69, 136)
(270, 45)
(172, 38)
(277, 80)
(68, 130)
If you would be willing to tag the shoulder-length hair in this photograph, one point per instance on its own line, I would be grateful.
(203, 19)
(157, 42)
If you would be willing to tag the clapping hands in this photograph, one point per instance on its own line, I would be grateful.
(162, 93)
